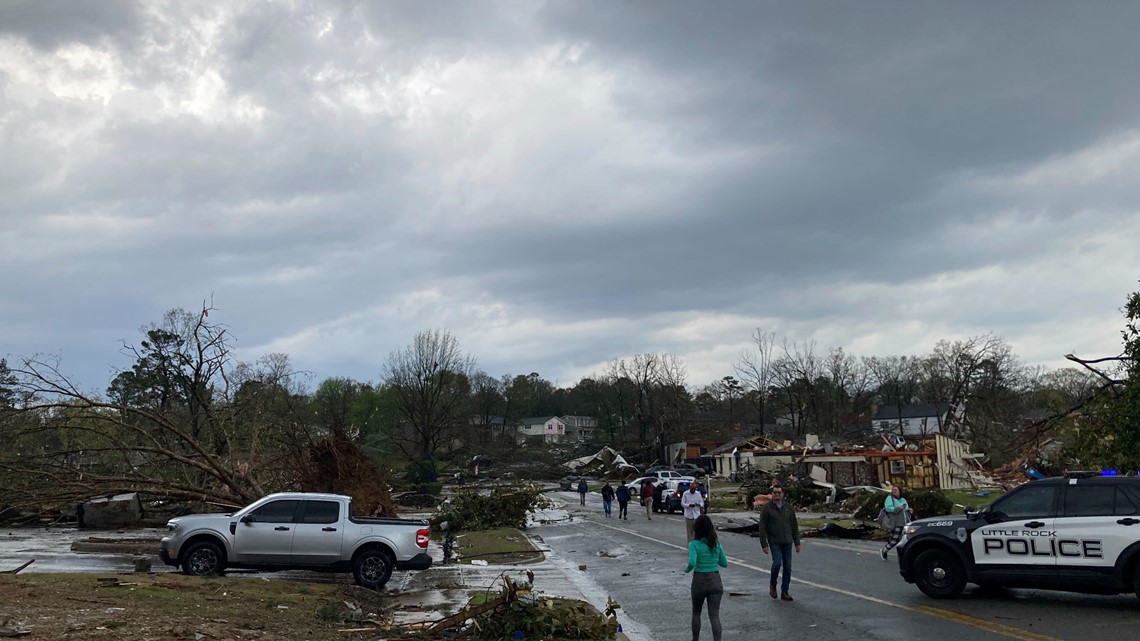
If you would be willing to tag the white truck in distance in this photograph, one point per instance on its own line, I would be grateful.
(297, 531)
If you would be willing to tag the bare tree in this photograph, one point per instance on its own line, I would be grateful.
(755, 369)
(661, 404)
(849, 381)
(896, 379)
(432, 379)
(795, 372)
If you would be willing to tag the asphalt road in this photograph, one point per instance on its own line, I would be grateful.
(843, 590)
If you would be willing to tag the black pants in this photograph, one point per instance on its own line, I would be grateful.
(706, 587)
(623, 507)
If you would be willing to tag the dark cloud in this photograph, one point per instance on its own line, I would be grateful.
(48, 25)
(566, 182)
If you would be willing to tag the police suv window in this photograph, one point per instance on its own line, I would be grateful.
(276, 512)
(1089, 500)
(1033, 501)
(1126, 502)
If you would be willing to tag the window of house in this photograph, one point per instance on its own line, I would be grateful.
(898, 468)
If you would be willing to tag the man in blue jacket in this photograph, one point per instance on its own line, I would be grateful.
(623, 497)
(582, 489)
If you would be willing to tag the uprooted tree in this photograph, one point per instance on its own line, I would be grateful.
(185, 421)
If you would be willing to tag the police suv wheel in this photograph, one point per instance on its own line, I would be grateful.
(939, 574)
(1136, 580)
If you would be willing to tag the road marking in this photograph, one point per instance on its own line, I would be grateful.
(945, 615)
(849, 548)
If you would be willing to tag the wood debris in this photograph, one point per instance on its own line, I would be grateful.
(17, 570)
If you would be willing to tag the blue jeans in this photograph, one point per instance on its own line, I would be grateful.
(607, 505)
(782, 556)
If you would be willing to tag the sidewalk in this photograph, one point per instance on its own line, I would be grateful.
(443, 590)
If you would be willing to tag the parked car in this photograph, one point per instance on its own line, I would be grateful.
(635, 485)
(692, 469)
(297, 531)
(672, 501)
(671, 475)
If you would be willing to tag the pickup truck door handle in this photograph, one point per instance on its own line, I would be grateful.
(1128, 521)
(281, 528)
(1035, 524)
(328, 529)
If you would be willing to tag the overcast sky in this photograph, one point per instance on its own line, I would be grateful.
(560, 184)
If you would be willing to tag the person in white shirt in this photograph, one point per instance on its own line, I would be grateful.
(692, 503)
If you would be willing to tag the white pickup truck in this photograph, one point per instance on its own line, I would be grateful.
(298, 531)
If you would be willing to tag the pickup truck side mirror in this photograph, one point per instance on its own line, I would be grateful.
(249, 518)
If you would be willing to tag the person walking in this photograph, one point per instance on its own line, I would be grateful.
(705, 555)
(659, 492)
(607, 499)
(897, 515)
(622, 495)
(647, 499)
(692, 504)
(582, 489)
(780, 530)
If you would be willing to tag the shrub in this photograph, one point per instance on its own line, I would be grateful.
(505, 506)
(927, 503)
(869, 504)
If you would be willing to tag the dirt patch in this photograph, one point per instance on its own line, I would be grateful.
(167, 606)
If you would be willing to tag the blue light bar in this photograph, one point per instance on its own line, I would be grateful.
(1108, 472)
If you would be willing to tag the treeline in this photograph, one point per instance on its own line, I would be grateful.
(188, 420)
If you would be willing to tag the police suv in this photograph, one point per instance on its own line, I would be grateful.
(1076, 534)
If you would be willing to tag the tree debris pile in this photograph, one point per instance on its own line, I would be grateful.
(505, 506)
(515, 611)
(339, 466)
(545, 618)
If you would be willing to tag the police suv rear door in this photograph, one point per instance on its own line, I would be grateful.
(1017, 540)
(1098, 521)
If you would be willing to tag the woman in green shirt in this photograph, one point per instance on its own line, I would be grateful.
(705, 555)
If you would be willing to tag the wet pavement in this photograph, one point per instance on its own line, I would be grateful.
(51, 548)
(843, 590)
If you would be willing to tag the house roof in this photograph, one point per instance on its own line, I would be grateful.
(729, 446)
(919, 410)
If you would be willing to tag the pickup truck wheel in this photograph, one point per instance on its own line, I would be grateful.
(939, 574)
(203, 559)
(1136, 579)
(372, 569)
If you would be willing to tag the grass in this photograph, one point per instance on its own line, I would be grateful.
(969, 497)
(169, 605)
(501, 545)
